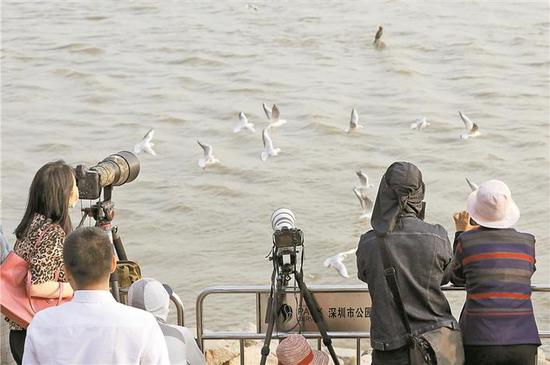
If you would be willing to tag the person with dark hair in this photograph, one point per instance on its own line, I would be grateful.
(93, 328)
(495, 263)
(421, 255)
(40, 236)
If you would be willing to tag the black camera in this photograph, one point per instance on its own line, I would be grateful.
(115, 170)
(288, 237)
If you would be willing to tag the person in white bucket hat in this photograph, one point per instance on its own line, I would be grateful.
(495, 263)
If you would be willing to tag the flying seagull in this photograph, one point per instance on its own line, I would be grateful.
(471, 128)
(273, 116)
(208, 159)
(472, 185)
(337, 262)
(420, 124)
(268, 146)
(243, 124)
(361, 194)
(146, 144)
(363, 180)
(378, 42)
(353, 122)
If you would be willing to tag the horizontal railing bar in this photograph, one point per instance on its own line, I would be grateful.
(328, 289)
(280, 335)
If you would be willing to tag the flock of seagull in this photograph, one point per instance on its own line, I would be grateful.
(274, 120)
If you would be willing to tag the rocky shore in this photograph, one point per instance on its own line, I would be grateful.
(227, 353)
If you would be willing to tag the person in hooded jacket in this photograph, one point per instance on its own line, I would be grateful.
(421, 255)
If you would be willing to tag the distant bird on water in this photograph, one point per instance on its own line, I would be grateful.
(269, 150)
(378, 42)
(353, 122)
(243, 124)
(472, 130)
(273, 116)
(337, 262)
(208, 159)
(420, 124)
(146, 144)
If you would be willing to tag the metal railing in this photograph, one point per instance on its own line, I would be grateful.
(262, 290)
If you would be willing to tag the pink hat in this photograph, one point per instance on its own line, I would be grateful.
(491, 205)
(295, 350)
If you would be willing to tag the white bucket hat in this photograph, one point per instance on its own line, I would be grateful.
(491, 205)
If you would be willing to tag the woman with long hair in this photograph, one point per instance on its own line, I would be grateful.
(40, 236)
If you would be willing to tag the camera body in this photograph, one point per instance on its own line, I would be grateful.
(87, 182)
(288, 237)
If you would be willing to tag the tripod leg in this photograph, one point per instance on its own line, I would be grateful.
(317, 316)
(273, 315)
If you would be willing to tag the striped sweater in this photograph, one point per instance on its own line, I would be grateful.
(496, 266)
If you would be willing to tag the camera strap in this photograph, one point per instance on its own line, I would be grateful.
(391, 279)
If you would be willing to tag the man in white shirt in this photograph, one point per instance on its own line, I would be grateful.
(93, 328)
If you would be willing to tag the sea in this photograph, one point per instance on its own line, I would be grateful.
(85, 79)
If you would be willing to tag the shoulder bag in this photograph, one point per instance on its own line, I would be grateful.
(16, 302)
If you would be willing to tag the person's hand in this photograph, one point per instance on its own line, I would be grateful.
(462, 221)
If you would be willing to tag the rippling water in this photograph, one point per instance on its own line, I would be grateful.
(84, 79)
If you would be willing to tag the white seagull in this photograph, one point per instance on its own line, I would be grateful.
(273, 116)
(146, 144)
(471, 127)
(361, 193)
(354, 121)
(420, 123)
(472, 185)
(268, 146)
(337, 262)
(243, 124)
(208, 159)
(363, 180)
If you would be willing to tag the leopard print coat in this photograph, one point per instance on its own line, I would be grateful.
(47, 259)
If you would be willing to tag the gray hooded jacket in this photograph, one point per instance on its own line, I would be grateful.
(421, 254)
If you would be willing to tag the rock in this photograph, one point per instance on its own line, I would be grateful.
(253, 355)
(541, 358)
(220, 356)
(250, 343)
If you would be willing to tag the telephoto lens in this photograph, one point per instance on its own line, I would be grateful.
(282, 218)
(117, 169)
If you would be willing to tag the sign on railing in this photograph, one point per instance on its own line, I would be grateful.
(343, 312)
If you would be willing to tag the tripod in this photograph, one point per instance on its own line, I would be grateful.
(103, 213)
(282, 273)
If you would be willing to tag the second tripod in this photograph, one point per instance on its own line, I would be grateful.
(284, 267)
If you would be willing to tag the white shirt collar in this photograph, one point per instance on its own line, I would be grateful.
(93, 296)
